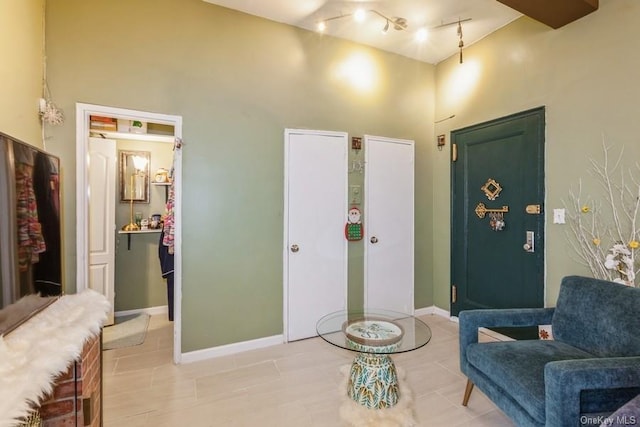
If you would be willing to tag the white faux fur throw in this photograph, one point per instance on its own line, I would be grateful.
(356, 415)
(39, 350)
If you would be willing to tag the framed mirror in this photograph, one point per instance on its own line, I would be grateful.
(134, 176)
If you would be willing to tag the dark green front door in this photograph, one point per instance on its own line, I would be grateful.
(497, 202)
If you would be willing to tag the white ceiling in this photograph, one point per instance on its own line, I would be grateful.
(486, 16)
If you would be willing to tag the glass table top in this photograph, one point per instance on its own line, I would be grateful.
(374, 331)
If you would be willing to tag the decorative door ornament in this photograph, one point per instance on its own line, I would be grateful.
(491, 189)
(353, 229)
(496, 221)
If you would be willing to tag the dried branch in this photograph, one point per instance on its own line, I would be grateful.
(607, 248)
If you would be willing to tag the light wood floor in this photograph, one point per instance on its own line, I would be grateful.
(290, 385)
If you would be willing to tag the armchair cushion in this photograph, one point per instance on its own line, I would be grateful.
(597, 316)
(518, 366)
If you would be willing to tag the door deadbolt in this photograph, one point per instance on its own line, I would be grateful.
(295, 248)
(529, 245)
(374, 239)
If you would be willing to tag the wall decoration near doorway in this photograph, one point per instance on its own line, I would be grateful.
(134, 176)
(353, 229)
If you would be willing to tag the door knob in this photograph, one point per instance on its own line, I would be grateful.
(295, 248)
(374, 239)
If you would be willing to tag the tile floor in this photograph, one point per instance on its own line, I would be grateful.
(289, 385)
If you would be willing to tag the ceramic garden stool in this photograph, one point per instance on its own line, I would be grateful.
(375, 335)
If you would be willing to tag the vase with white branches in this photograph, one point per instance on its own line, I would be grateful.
(603, 232)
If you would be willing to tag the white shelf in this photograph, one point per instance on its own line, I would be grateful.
(151, 230)
(151, 137)
(129, 233)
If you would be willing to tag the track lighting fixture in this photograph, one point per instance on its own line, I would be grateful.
(399, 23)
(459, 24)
(460, 43)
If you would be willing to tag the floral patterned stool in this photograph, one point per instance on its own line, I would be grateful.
(374, 335)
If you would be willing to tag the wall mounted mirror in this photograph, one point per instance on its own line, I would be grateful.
(134, 176)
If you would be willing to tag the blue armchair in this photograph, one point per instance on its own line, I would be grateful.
(591, 368)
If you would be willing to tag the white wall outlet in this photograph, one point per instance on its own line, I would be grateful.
(558, 216)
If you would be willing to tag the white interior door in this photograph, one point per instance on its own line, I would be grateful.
(388, 225)
(102, 199)
(315, 248)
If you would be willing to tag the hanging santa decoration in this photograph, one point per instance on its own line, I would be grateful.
(353, 229)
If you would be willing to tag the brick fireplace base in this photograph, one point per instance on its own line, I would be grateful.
(76, 399)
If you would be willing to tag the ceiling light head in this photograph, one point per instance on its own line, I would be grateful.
(322, 26)
(386, 27)
(421, 35)
(399, 24)
(359, 15)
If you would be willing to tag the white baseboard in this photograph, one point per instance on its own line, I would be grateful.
(433, 310)
(239, 347)
(225, 350)
(162, 309)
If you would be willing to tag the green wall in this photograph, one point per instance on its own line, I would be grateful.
(238, 81)
(21, 68)
(584, 73)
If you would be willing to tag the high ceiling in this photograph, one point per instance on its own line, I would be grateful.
(482, 18)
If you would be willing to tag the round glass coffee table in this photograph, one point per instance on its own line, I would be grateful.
(374, 335)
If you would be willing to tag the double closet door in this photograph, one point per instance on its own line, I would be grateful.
(315, 250)
(389, 226)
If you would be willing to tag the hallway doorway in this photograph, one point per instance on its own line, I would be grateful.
(83, 133)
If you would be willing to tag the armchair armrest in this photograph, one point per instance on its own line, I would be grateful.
(564, 380)
(471, 320)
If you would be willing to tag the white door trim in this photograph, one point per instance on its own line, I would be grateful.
(367, 202)
(285, 248)
(83, 111)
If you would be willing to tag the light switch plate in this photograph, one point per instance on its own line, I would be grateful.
(558, 216)
(355, 194)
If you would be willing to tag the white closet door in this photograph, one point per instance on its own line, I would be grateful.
(389, 224)
(102, 200)
(315, 248)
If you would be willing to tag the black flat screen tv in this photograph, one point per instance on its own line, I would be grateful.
(30, 226)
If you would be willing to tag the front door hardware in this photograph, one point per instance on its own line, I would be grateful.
(481, 210)
(533, 209)
(529, 245)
